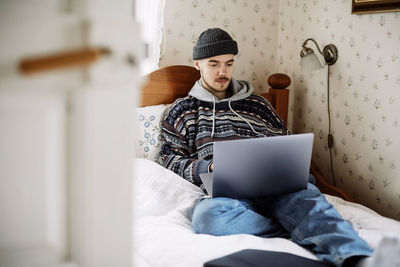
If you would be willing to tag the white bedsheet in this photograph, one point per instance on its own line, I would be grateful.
(163, 204)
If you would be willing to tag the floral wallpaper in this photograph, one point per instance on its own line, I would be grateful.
(364, 82)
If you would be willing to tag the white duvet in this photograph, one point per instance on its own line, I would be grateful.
(163, 204)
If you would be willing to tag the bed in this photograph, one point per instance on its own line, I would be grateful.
(163, 201)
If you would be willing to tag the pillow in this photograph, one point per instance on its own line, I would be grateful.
(148, 131)
(158, 191)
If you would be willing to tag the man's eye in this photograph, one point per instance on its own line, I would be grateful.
(213, 65)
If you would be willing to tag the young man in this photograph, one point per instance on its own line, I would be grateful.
(221, 108)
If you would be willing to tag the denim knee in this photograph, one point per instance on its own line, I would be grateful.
(208, 215)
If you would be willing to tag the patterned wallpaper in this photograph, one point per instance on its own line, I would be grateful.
(364, 82)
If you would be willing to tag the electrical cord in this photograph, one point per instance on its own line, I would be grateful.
(330, 136)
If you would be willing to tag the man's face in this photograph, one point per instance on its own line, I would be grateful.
(216, 73)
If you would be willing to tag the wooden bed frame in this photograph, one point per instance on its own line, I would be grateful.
(165, 85)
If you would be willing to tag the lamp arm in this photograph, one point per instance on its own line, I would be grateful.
(330, 52)
(311, 39)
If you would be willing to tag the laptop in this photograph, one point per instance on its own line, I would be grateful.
(260, 167)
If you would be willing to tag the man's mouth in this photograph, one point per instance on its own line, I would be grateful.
(222, 80)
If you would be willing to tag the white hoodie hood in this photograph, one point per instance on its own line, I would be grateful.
(241, 90)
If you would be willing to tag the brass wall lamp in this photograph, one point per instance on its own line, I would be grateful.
(309, 60)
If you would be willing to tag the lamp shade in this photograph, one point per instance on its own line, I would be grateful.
(310, 62)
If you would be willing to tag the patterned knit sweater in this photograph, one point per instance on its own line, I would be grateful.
(193, 123)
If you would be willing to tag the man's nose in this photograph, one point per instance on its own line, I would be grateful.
(222, 70)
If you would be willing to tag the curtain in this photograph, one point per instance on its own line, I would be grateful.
(150, 16)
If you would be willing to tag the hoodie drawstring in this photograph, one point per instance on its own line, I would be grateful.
(213, 125)
(237, 114)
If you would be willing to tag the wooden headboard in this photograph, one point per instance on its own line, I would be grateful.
(165, 85)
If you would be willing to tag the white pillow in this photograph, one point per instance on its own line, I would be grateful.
(158, 191)
(147, 144)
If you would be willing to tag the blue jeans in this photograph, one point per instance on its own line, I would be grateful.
(304, 216)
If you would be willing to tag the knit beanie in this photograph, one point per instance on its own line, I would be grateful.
(214, 42)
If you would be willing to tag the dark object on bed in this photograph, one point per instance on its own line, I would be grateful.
(261, 258)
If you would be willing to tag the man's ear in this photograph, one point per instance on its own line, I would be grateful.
(197, 65)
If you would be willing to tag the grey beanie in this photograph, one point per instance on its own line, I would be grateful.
(214, 42)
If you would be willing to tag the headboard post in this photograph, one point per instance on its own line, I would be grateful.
(278, 94)
(281, 102)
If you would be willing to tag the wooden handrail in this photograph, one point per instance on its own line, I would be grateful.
(61, 60)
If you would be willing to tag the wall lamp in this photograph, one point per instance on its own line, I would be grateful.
(309, 60)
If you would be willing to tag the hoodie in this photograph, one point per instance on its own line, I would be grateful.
(193, 123)
(240, 90)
